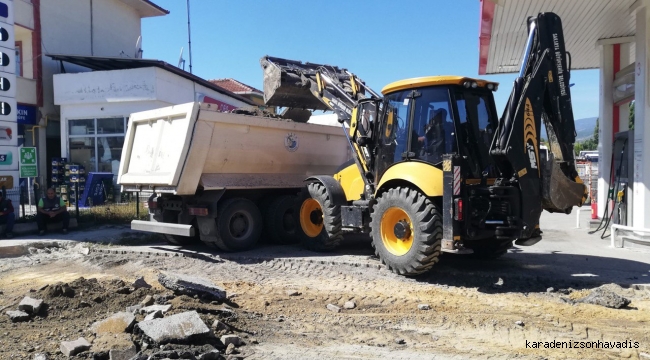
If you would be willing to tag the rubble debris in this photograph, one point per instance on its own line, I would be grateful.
(211, 355)
(154, 315)
(154, 308)
(116, 324)
(292, 293)
(179, 328)
(191, 285)
(220, 325)
(30, 305)
(232, 339)
(134, 309)
(349, 305)
(148, 300)
(163, 299)
(519, 323)
(399, 341)
(17, 316)
(140, 283)
(231, 349)
(115, 346)
(424, 307)
(59, 289)
(334, 308)
(604, 296)
(550, 290)
(98, 299)
(71, 348)
(123, 290)
(41, 356)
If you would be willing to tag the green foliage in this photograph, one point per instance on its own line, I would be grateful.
(589, 144)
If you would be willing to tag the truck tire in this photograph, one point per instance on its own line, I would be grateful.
(281, 220)
(489, 249)
(320, 219)
(239, 224)
(406, 229)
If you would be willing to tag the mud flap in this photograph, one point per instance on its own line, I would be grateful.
(559, 192)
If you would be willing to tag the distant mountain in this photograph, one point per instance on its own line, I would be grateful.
(584, 128)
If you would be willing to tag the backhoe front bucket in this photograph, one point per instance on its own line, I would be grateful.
(559, 192)
(286, 89)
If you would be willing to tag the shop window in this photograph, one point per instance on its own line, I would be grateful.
(97, 143)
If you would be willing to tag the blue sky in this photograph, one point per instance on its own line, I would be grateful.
(380, 41)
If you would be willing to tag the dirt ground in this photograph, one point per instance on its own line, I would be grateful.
(279, 307)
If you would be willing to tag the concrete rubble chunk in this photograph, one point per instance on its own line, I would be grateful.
(41, 356)
(180, 328)
(30, 305)
(18, 316)
(220, 325)
(519, 323)
(71, 348)
(211, 355)
(424, 307)
(154, 315)
(134, 309)
(148, 300)
(127, 354)
(349, 305)
(191, 285)
(116, 324)
(154, 308)
(604, 296)
(334, 308)
(232, 339)
(231, 349)
(139, 283)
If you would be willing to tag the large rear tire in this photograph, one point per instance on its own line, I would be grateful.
(406, 229)
(281, 220)
(320, 219)
(239, 225)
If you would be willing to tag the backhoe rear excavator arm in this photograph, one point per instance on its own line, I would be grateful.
(540, 93)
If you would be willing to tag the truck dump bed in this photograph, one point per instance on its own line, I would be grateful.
(179, 148)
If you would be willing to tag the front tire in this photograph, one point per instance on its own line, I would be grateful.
(239, 225)
(320, 220)
(406, 230)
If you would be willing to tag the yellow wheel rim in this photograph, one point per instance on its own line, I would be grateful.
(394, 218)
(311, 217)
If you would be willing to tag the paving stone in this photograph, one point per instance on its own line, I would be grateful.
(71, 348)
(334, 308)
(179, 328)
(220, 325)
(18, 316)
(30, 305)
(232, 339)
(116, 324)
(191, 285)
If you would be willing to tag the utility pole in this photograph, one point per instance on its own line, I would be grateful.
(189, 34)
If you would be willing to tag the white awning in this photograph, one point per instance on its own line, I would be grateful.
(503, 30)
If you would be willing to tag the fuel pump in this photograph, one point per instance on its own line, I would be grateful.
(623, 176)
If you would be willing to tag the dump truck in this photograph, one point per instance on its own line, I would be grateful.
(222, 178)
(434, 168)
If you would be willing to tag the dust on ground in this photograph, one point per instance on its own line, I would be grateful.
(279, 308)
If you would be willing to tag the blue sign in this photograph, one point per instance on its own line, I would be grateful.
(27, 115)
(95, 191)
(4, 10)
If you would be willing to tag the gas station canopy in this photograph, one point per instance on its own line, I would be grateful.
(586, 24)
